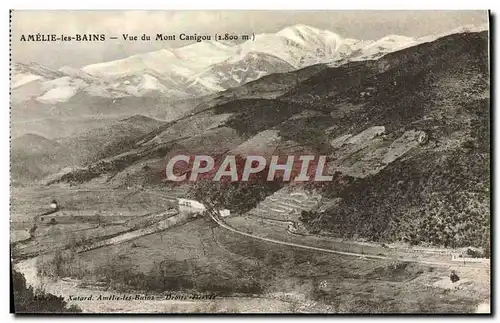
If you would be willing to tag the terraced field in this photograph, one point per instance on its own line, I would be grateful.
(286, 204)
(85, 217)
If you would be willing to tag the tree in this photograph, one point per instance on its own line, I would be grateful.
(26, 300)
(454, 277)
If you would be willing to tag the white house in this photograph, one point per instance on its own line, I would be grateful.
(191, 206)
(225, 212)
(53, 205)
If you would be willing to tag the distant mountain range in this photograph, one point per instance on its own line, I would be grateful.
(172, 83)
(201, 68)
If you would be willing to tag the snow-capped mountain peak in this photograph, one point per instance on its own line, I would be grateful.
(136, 63)
(306, 35)
(208, 66)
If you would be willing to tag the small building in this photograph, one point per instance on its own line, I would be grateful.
(224, 213)
(54, 205)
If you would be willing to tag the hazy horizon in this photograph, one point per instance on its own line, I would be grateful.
(363, 25)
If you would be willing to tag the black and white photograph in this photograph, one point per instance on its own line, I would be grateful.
(250, 162)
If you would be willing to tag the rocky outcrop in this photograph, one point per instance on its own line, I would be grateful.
(368, 152)
(366, 135)
(339, 141)
(404, 144)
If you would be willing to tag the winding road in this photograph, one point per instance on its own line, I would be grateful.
(224, 225)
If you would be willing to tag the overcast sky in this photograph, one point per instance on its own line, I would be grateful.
(352, 24)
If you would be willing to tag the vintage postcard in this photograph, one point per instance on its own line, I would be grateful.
(250, 162)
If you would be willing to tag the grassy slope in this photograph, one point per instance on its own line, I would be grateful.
(199, 257)
(33, 159)
(440, 193)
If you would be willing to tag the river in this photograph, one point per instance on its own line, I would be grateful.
(136, 302)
